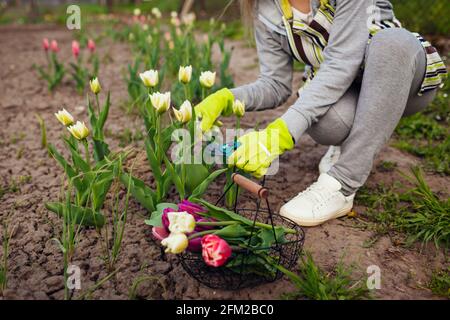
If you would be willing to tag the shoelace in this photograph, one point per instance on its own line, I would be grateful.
(317, 193)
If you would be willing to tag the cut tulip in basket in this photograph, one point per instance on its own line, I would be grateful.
(227, 249)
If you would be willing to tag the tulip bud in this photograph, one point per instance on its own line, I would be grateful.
(207, 79)
(175, 21)
(188, 19)
(185, 113)
(45, 44)
(160, 101)
(54, 46)
(185, 74)
(175, 243)
(64, 117)
(181, 222)
(157, 13)
(91, 45)
(137, 12)
(238, 108)
(150, 78)
(95, 86)
(75, 48)
(79, 130)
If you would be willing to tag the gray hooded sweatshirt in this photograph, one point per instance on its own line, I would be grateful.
(343, 58)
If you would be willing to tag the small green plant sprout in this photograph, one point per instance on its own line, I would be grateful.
(440, 282)
(43, 131)
(419, 212)
(7, 234)
(71, 228)
(113, 231)
(314, 283)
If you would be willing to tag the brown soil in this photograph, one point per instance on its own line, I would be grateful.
(35, 261)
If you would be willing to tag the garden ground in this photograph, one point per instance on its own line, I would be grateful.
(29, 178)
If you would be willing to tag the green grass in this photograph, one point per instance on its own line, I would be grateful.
(424, 16)
(418, 212)
(317, 284)
(427, 134)
(440, 282)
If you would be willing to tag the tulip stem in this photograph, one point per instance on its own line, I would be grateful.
(186, 91)
(86, 150)
(98, 104)
(216, 223)
(200, 234)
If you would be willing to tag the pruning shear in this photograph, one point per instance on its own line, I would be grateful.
(223, 150)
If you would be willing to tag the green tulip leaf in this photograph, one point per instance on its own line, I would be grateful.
(84, 216)
(203, 186)
(156, 217)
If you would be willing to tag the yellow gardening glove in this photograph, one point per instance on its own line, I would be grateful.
(259, 148)
(215, 105)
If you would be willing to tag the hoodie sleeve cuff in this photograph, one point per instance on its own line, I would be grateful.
(296, 123)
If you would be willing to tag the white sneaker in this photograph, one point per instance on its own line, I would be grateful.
(329, 159)
(321, 202)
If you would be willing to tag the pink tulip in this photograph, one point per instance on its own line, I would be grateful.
(91, 45)
(54, 46)
(191, 208)
(204, 228)
(75, 48)
(45, 44)
(165, 218)
(215, 250)
(159, 233)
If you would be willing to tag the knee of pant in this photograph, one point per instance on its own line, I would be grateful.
(396, 42)
(330, 130)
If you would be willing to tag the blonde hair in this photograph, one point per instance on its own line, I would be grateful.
(247, 11)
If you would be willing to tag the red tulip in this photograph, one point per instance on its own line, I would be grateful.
(46, 44)
(91, 45)
(75, 48)
(54, 46)
(215, 250)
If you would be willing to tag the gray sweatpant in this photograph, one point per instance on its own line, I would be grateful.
(363, 120)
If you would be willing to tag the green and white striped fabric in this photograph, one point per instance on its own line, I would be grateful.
(308, 42)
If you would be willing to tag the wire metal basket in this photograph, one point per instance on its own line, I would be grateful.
(285, 254)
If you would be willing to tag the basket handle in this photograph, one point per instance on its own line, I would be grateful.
(251, 186)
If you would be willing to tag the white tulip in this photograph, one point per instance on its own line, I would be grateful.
(64, 117)
(157, 13)
(160, 101)
(207, 79)
(185, 113)
(188, 19)
(175, 243)
(79, 130)
(95, 86)
(185, 74)
(181, 222)
(239, 108)
(150, 78)
(137, 12)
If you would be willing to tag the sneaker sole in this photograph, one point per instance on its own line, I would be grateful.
(313, 223)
